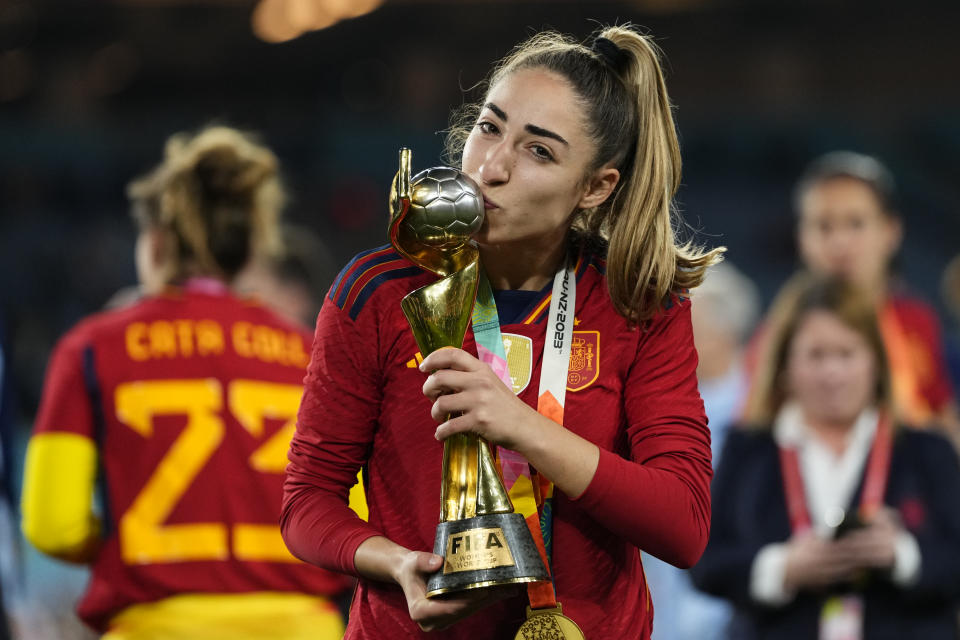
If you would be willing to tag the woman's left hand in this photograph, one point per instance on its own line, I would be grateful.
(468, 396)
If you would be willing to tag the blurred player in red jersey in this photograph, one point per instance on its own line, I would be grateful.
(179, 410)
(848, 225)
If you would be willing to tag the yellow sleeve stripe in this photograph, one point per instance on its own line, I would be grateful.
(59, 475)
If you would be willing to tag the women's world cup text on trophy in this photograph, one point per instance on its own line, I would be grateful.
(483, 542)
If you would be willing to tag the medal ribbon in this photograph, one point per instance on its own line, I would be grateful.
(874, 483)
(520, 480)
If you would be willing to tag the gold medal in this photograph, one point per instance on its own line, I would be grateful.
(548, 624)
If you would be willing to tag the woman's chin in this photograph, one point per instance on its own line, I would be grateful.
(491, 241)
(838, 416)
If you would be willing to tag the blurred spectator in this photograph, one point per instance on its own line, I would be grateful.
(179, 408)
(849, 225)
(829, 521)
(724, 311)
(293, 280)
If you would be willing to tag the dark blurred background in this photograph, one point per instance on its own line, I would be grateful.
(89, 90)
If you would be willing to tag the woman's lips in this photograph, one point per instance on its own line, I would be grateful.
(489, 204)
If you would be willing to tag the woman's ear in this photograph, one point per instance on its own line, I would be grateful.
(159, 247)
(598, 189)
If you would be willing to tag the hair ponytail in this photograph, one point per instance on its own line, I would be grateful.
(630, 121)
(645, 263)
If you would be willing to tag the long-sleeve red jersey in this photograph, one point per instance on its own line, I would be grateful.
(631, 391)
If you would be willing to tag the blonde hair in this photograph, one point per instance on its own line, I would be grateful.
(630, 120)
(218, 195)
(801, 295)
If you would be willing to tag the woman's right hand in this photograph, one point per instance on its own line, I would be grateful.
(439, 613)
(381, 559)
(813, 563)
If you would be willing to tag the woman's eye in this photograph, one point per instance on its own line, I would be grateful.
(487, 127)
(541, 152)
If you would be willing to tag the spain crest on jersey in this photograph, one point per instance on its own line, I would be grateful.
(584, 360)
(519, 350)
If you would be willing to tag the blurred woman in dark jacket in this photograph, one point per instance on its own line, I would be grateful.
(829, 521)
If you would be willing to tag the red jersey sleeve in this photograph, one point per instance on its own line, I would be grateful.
(666, 480)
(335, 426)
(927, 353)
(65, 405)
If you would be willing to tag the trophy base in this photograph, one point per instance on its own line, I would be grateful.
(485, 551)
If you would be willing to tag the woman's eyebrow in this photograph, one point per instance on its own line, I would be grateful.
(546, 133)
(497, 110)
(532, 128)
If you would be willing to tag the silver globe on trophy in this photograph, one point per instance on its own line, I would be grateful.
(483, 541)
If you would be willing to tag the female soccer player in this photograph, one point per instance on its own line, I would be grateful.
(575, 151)
(849, 226)
(180, 409)
(829, 521)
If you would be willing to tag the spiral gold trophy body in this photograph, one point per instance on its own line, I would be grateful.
(482, 540)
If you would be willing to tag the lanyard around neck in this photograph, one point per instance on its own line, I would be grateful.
(556, 348)
(553, 386)
(874, 482)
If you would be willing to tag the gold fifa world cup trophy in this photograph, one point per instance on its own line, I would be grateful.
(482, 540)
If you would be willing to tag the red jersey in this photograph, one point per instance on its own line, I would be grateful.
(631, 391)
(190, 399)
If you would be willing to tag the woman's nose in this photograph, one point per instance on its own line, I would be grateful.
(496, 164)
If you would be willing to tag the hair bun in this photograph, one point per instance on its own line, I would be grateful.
(225, 164)
(228, 171)
(219, 193)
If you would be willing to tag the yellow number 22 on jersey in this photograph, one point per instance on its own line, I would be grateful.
(144, 538)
